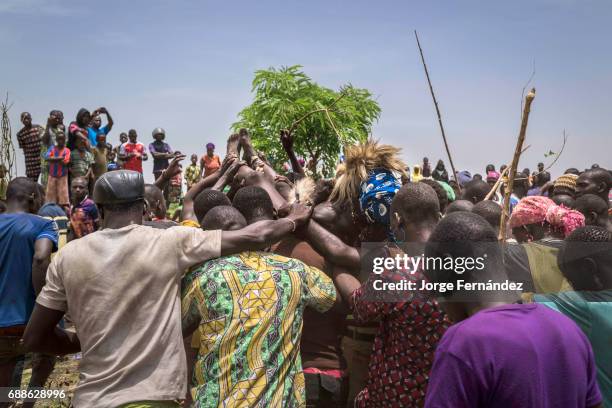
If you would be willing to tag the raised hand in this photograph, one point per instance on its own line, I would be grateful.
(174, 167)
(286, 139)
(298, 213)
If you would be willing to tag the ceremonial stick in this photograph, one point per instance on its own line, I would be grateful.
(500, 180)
(496, 185)
(433, 95)
(515, 160)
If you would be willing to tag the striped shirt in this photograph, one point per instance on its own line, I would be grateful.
(58, 169)
(80, 162)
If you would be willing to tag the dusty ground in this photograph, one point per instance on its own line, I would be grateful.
(65, 376)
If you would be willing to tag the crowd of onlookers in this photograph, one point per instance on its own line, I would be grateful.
(257, 287)
(56, 155)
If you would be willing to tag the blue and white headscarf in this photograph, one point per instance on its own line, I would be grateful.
(376, 195)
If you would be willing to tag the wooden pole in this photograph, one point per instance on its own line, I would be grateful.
(515, 160)
(496, 185)
(433, 95)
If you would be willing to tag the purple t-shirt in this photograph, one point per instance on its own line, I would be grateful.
(517, 355)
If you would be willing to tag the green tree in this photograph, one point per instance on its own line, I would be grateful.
(320, 119)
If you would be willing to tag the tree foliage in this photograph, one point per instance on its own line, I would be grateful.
(328, 119)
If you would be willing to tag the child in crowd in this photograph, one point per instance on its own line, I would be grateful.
(58, 157)
(100, 153)
(112, 164)
(81, 161)
(84, 217)
(175, 192)
(192, 172)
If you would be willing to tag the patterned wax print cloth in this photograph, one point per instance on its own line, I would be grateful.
(249, 308)
(377, 193)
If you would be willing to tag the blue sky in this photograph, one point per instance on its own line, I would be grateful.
(188, 66)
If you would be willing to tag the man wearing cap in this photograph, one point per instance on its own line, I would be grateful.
(161, 152)
(564, 188)
(121, 288)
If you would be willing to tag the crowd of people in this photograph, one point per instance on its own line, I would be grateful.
(256, 288)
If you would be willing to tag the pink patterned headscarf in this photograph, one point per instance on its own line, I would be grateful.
(530, 210)
(564, 219)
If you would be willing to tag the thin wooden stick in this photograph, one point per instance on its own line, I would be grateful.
(297, 122)
(433, 95)
(496, 185)
(515, 160)
(556, 157)
(500, 179)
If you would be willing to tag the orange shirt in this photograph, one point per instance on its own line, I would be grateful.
(211, 164)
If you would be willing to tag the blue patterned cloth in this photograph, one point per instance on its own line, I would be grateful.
(376, 195)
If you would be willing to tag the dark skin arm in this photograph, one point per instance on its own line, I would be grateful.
(173, 169)
(346, 284)
(250, 177)
(40, 262)
(287, 142)
(83, 136)
(43, 336)
(110, 123)
(46, 137)
(262, 234)
(228, 176)
(55, 159)
(331, 247)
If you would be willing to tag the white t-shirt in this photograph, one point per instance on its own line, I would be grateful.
(122, 287)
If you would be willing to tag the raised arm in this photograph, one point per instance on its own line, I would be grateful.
(206, 182)
(109, 119)
(173, 169)
(227, 176)
(287, 142)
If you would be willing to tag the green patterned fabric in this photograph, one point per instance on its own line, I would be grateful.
(248, 309)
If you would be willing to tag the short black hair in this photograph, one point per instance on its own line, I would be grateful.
(207, 200)
(591, 242)
(154, 192)
(591, 203)
(463, 235)
(459, 205)
(565, 199)
(440, 192)
(254, 203)
(475, 191)
(21, 189)
(572, 170)
(599, 175)
(136, 205)
(416, 202)
(490, 211)
(223, 217)
(542, 178)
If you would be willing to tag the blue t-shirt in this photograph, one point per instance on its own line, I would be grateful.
(18, 233)
(93, 133)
